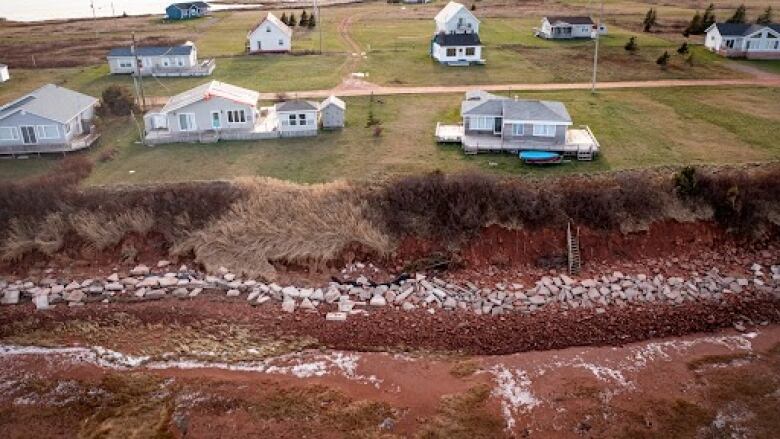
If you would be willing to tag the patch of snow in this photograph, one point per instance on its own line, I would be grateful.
(514, 390)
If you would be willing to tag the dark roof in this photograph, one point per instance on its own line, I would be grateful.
(152, 51)
(571, 20)
(742, 29)
(457, 40)
(188, 5)
(296, 106)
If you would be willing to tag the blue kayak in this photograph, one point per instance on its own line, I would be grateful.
(540, 157)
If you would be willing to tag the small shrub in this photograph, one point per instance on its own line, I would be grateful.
(631, 46)
(683, 49)
(107, 155)
(663, 60)
(685, 182)
(119, 101)
(378, 131)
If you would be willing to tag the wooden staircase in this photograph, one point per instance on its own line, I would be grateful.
(583, 155)
(573, 245)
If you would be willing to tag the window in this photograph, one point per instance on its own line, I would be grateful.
(470, 51)
(730, 44)
(481, 123)
(517, 129)
(48, 132)
(544, 130)
(450, 52)
(67, 128)
(9, 133)
(180, 62)
(236, 116)
(166, 62)
(125, 64)
(281, 42)
(187, 122)
(302, 118)
(292, 120)
(268, 28)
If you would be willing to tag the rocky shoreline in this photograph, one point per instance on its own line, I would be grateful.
(409, 292)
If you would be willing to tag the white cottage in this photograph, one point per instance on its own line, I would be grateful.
(567, 28)
(297, 118)
(738, 40)
(332, 113)
(4, 75)
(270, 36)
(179, 60)
(456, 39)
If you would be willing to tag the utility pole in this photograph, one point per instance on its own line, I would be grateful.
(318, 22)
(596, 51)
(94, 17)
(138, 82)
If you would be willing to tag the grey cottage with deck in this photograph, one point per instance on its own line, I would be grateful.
(50, 119)
(498, 123)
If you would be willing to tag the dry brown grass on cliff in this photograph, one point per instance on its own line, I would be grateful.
(285, 222)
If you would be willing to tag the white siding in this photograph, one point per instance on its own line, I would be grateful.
(269, 38)
(440, 53)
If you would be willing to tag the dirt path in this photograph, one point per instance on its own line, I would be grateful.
(354, 56)
(773, 81)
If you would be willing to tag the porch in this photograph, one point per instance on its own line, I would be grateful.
(78, 143)
(203, 68)
(580, 142)
(265, 127)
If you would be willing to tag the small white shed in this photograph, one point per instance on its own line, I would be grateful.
(332, 112)
(4, 76)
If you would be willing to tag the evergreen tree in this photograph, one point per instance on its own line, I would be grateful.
(631, 45)
(650, 20)
(473, 6)
(292, 22)
(304, 19)
(312, 22)
(694, 25)
(284, 18)
(683, 49)
(740, 15)
(708, 19)
(765, 17)
(663, 60)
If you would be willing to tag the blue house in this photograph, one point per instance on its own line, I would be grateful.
(185, 11)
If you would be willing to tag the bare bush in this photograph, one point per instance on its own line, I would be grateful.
(101, 230)
(284, 222)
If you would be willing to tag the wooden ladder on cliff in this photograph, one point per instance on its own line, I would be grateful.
(573, 245)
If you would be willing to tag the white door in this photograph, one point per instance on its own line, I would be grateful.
(216, 122)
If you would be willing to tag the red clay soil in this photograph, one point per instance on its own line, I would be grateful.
(466, 332)
(503, 247)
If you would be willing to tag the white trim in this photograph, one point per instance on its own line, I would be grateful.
(515, 126)
(190, 118)
(14, 134)
(541, 130)
(42, 132)
(219, 120)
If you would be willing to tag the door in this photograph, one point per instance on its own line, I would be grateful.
(216, 122)
(28, 135)
(498, 125)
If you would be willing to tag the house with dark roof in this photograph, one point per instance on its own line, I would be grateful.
(47, 120)
(567, 28)
(179, 60)
(456, 41)
(742, 40)
(502, 124)
(186, 10)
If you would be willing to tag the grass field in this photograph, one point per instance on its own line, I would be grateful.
(636, 128)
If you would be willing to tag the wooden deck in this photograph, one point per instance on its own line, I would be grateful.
(76, 144)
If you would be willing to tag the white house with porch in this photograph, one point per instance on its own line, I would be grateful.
(567, 28)
(181, 60)
(456, 38)
(739, 40)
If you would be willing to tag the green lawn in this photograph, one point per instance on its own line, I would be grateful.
(636, 128)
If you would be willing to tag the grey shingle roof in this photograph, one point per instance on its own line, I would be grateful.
(742, 29)
(188, 5)
(51, 102)
(526, 110)
(296, 106)
(457, 40)
(184, 49)
(208, 90)
(571, 20)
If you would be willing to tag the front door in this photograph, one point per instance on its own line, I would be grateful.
(498, 125)
(28, 135)
(216, 122)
